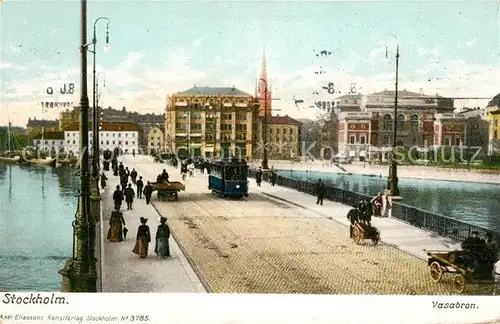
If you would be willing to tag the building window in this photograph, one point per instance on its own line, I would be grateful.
(114, 134)
(119, 134)
(114, 142)
(401, 123)
(362, 140)
(387, 122)
(352, 139)
(458, 141)
(126, 142)
(447, 141)
(126, 134)
(386, 140)
(107, 142)
(355, 102)
(133, 134)
(414, 123)
(495, 135)
(74, 142)
(133, 142)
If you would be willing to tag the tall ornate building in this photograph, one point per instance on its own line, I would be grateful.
(211, 122)
(366, 131)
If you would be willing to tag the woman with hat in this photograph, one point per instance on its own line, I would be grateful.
(116, 221)
(143, 239)
(162, 249)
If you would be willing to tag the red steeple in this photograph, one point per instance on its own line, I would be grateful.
(262, 83)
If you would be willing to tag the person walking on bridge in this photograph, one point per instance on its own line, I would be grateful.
(140, 186)
(162, 248)
(129, 196)
(258, 177)
(103, 180)
(142, 240)
(118, 197)
(133, 176)
(148, 191)
(115, 232)
(320, 192)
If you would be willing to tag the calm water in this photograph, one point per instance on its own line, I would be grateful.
(37, 207)
(474, 203)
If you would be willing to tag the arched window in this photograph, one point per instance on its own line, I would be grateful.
(414, 123)
(387, 122)
(401, 123)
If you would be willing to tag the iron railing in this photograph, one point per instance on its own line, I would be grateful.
(443, 225)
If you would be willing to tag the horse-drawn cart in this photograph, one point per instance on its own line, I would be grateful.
(168, 190)
(467, 267)
(363, 231)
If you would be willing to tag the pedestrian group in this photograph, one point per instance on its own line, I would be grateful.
(125, 192)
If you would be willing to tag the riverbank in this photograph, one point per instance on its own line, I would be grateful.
(404, 171)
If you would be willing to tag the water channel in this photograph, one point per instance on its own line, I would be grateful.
(474, 203)
(37, 207)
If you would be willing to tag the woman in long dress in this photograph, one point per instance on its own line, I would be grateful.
(162, 248)
(115, 233)
(143, 239)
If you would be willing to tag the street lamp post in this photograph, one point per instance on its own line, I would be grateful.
(95, 116)
(392, 181)
(81, 269)
(264, 158)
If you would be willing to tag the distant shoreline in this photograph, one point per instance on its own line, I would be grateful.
(404, 171)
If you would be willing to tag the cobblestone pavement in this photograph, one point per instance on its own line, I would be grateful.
(259, 245)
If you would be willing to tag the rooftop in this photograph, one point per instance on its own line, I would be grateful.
(51, 136)
(108, 127)
(42, 122)
(214, 91)
(281, 120)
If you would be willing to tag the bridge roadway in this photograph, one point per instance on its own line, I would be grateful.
(263, 245)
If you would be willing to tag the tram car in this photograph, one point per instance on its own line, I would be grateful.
(228, 178)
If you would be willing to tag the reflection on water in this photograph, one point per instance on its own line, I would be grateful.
(37, 206)
(474, 203)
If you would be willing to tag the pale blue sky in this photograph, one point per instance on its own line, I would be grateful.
(174, 45)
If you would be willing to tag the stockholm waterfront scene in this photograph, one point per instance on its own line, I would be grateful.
(254, 122)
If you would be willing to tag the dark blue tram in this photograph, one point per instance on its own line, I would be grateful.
(228, 178)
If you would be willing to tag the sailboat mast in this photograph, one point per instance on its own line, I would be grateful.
(8, 136)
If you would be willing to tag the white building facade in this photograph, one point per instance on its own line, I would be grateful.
(124, 136)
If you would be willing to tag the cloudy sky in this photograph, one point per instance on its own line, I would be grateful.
(161, 47)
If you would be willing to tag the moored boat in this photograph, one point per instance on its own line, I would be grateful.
(47, 161)
(9, 159)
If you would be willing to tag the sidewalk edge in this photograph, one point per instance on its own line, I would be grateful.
(191, 262)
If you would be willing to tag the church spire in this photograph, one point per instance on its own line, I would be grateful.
(262, 84)
(263, 65)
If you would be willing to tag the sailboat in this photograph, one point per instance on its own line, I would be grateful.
(49, 161)
(9, 156)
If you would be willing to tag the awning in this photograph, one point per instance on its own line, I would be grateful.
(362, 153)
(352, 153)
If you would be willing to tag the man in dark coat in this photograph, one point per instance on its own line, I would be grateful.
(258, 177)
(103, 180)
(124, 181)
(129, 196)
(121, 167)
(118, 197)
(320, 192)
(140, 186)
(353, 216)
(133, 176)
(148, 191)
(273, 178)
